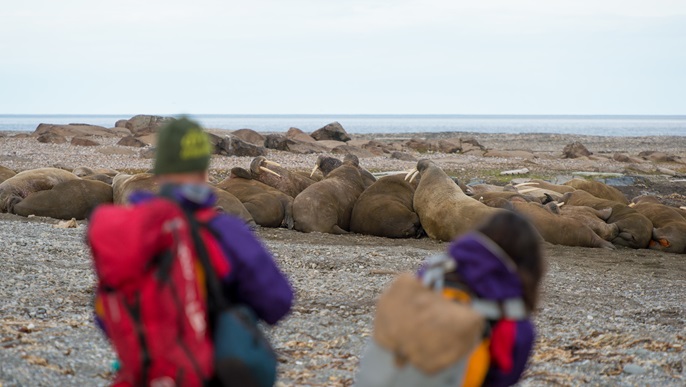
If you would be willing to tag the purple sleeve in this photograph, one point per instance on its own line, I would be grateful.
(254, 278)
(524, 341)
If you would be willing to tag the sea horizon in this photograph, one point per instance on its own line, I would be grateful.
(598, 125)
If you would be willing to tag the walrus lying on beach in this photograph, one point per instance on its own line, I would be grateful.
(558, 229)
(599, 190)
(232, 206)
(385, 209)
(326, 206)
(124, 184)
(273, 175)
(669, 227)
(635, 230)
(444, 210)
(5, 173)
(66, 200)
(596, 220)
(21, 185)
(268, 206)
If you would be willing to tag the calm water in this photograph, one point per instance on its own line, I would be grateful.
(589, 125)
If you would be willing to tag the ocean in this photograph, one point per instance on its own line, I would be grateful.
(620, 126)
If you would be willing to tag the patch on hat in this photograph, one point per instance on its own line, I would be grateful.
(194, 144)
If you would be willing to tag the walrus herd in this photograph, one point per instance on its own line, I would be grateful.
(347, 198)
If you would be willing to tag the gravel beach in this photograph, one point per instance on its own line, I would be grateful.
(606, 317)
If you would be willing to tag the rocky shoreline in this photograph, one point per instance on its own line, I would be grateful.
(606, 318)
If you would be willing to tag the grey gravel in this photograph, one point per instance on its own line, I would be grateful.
(604, 315)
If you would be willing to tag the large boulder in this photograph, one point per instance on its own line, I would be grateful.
(353, 150)
(298, 135)
(141, 125)
(83, 141)
(250, 136)
(420, 145)
(71, 130)
(575, 150)
(131, 141)
(277, 141)
(51, 138)
(234, 146)
(333, 131)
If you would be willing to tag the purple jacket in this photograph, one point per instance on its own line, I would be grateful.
(254, 278)
(490, 274)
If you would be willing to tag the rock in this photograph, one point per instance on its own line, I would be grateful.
(644, 168)
(575, 150)
(374, 147)
(141, 125)
(522, 171)
(634, 369)
(333, 131)
(83, 141)
(403, 156)
(471, 141)
(121, 132)
(250, 136)
(622, 158)
(450, 146)
(277, 141)
(299, 135)
(234, 146)
(131, 141)
(353, 150)
(306, 147)
(330, 144)
(121, 124)
(51, 138)
(421, 145)
(73, 130)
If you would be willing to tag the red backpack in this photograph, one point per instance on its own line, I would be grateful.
(151, 295)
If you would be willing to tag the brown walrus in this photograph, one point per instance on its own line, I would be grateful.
(5, 173)
(66, 200)
(596, 220)
(599, 190)
(635, 230)
(385, 209)
(669, 226)
(124, 184)
(326, 206)
(230, 204)
(444, 210)
(275, 176)
(21, 185)
(560, 230)
(268, 206)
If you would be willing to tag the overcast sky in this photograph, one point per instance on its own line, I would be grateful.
(345, 57)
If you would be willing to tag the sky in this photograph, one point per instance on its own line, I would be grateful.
(344, 57)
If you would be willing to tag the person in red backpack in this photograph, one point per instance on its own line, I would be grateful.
(151, 299)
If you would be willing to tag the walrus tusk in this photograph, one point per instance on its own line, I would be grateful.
(632, 205)
(314, 170)
(410, 173)
(269, 170)
(414, 174)
(683, 207)
(272, 163)
(527, 190)
(560, 204)
(526, 184)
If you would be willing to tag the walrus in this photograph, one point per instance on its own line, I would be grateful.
(124, 184)
(444, 210)
(66, 200)
(268, 206)
(385, 209)
(21, 185)
(230, 204)
(87, 171)
(669, 226)
(491, 198)
(5, 173)
(560, 230)
(599, 190)
(546, 185)
(596, 220)
(273, 175)
(326, 164)
(326, 206)
(635, 230)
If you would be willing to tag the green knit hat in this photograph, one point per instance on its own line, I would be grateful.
(182, 146)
